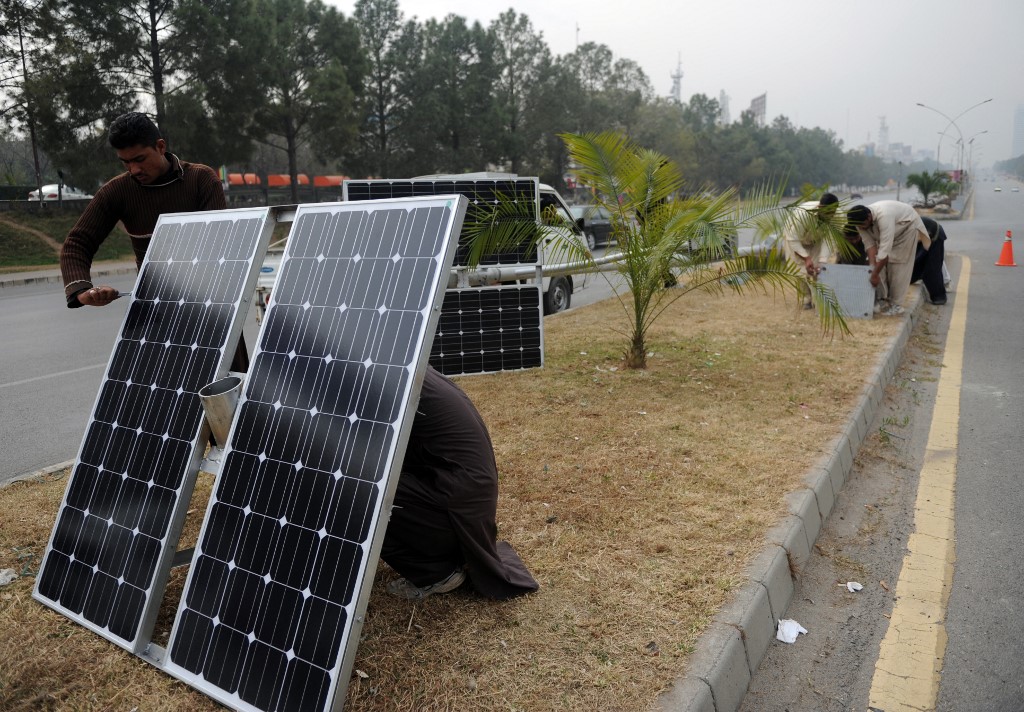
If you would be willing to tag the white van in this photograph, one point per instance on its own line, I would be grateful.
(560, 277)
(485, 189)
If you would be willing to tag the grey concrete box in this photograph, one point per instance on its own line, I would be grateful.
(820, 483)
(803, 504)
(836, 474)
(791, 535)
(687, 694)
(852, 287)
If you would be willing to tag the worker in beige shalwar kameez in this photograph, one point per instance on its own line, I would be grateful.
(801, 240)
(890, 231)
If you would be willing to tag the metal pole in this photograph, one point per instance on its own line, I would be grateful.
(951, 121)
(970, 155)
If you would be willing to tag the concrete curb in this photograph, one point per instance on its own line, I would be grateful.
(37, 474)
(17, 279)
(731, 649)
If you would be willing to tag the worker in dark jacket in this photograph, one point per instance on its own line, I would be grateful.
(443, 526)
(928, 263)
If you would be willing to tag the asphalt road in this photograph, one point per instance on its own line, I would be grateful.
(832, 667)
(984, 664)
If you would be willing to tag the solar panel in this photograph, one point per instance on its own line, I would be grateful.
(489, 329)
(852, 287)
(117, 529)
(483, 194)
(273, 603)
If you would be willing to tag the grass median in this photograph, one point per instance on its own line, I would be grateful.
(636, 498)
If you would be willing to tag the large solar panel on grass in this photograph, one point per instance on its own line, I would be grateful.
(273, 604)
(117, 528)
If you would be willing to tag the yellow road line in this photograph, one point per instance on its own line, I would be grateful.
(910, 659)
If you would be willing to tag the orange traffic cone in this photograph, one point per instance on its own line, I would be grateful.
(1006, 256)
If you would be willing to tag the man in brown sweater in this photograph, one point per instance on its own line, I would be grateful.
(156, 182)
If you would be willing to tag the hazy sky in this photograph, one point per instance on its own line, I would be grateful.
(837, 65)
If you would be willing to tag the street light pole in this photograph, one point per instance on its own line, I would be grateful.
(970, 155)
(952, 122)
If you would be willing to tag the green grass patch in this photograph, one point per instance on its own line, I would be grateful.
(20, 248)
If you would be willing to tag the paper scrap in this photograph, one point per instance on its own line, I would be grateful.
(6, 576)
(789, 630)
(853, 586)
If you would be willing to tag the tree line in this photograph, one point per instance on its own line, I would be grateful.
(295, 86)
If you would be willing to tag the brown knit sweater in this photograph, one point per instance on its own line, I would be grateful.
(187, 187)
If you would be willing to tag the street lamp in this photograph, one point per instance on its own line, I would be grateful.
(952, 122)
(970, 154)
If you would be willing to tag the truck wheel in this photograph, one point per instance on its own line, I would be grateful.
(558, 297)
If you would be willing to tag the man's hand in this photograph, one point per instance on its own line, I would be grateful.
(876, 270)
(98, 296)
(811, 267)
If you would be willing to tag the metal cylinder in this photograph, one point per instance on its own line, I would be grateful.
(219, 400)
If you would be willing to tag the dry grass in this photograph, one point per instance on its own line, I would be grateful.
(635, 497)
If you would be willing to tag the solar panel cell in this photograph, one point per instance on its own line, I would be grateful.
(264, 676)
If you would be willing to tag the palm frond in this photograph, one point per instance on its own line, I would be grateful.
(604, 161)
(763, 272)
(507, 227)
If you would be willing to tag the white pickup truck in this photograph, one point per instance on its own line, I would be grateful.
(559, 277)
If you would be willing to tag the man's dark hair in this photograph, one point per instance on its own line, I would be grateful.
(828, 199)
(858, 215)
(133, 129)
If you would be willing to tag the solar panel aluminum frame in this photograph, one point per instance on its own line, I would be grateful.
(165, 561)
(345, 660)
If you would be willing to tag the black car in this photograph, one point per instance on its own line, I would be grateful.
(597, 223)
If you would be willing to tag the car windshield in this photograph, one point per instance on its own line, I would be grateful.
(588, 212)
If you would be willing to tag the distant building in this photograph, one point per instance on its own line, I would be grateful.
(724, 119)
(1018, 132)
(900, 152)
(759, 108)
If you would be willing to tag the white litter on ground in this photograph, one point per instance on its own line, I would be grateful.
(789, 630)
